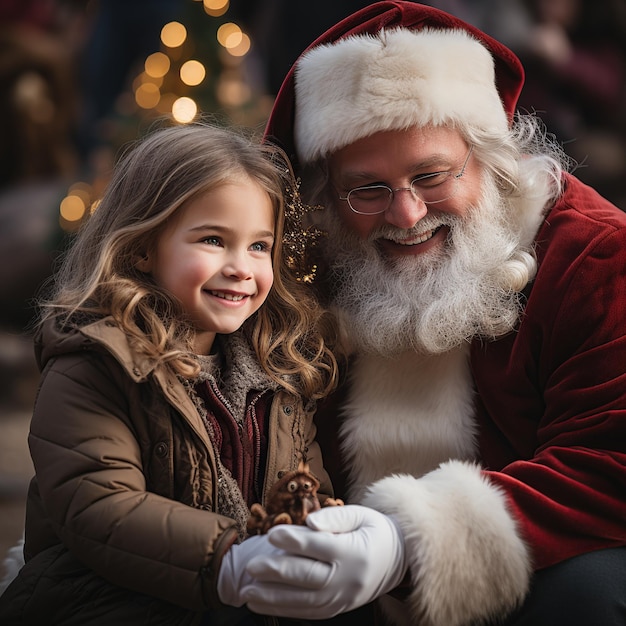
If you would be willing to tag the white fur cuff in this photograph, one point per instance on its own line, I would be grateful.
(466, 557)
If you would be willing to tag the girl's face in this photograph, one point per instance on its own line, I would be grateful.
(215, 256)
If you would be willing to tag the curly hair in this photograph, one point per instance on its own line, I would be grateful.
(291, 333)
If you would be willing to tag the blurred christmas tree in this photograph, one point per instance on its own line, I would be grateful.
(190, 64)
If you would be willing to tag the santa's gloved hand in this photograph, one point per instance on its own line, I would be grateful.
(232, 577)
(344, 558)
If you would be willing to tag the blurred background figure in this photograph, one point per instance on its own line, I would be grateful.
(575, 60)
(39, 40)
(39, 43)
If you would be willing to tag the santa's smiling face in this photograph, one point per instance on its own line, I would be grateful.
(411, 180)
(424, 277)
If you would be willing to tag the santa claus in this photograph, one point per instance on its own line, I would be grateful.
(480, 292)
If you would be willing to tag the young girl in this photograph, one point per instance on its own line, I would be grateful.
(180, 366)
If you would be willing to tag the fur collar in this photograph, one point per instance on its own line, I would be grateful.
(407, 414)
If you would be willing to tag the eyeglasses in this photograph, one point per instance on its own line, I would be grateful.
(431, 188)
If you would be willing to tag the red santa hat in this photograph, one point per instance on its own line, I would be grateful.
(389, 66)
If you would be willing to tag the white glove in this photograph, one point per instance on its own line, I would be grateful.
(349, 556)
(232, 577)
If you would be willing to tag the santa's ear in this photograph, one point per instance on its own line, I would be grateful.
(143, 263)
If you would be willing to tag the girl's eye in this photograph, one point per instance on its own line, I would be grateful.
(212, 241)
(260, 246)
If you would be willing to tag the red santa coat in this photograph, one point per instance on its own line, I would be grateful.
(551, 401)
(507, 456)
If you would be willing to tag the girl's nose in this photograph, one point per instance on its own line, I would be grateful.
(238, 266)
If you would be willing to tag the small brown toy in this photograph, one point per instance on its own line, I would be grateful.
(289, 501)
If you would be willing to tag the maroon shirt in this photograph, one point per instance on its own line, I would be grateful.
(242, 446)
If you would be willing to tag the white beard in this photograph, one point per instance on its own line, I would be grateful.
(433, 302)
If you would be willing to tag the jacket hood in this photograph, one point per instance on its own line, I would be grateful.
(54, 339)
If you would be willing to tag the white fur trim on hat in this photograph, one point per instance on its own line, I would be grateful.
(399, 78)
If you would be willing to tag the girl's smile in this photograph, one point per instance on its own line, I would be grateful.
(231, 297)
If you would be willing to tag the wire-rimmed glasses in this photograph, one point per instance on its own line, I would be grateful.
(431, 188)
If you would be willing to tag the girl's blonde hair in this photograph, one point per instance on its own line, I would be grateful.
(163, 171)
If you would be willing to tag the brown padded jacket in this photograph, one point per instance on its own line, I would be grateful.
(121, 510)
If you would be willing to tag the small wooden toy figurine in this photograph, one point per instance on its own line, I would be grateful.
(289, 501)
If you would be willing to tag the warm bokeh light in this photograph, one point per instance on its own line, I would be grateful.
(215, 8)
(72, 208)
(192, 73)
(157, 65)
(184, 110)
(159, 88)
(147, 95)
(31, 93)
(229, 35)
(173, 34)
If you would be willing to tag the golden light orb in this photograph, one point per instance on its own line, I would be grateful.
(192, 73)
(229, 35)
(157, 65)
(72, 208)
(242, 48)
(215, 8)
(184, 110)
(147, 95)
(173, 34)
